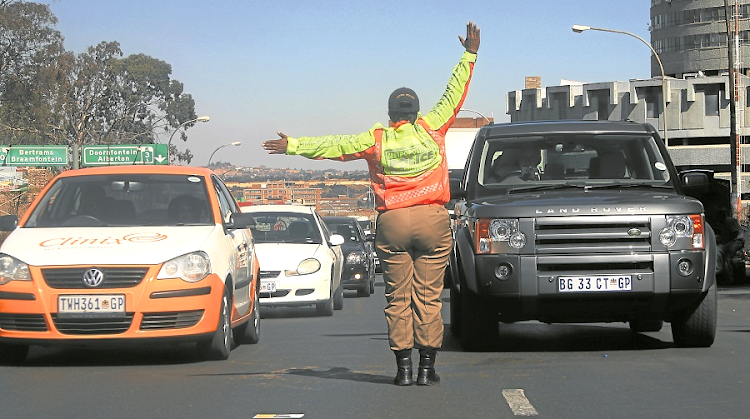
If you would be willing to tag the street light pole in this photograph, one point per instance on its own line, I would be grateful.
(169, 144)
(581, 28)
(472, 111)
(236, 143)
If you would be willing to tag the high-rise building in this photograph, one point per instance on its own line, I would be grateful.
(690, 36)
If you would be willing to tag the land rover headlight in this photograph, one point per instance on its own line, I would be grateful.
(191, 267)
(501, 231)
(12, 269)
(687, 229)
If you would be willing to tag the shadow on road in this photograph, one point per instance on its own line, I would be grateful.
(540, 337)
(128, 355)
(340, 373)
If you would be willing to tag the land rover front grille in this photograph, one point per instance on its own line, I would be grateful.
(587, 235)
(569, 246)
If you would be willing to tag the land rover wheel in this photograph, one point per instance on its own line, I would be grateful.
(479, 323)
(218, 347)
(455, 311)
(696, 327)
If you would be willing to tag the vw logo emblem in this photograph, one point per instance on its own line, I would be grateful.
(93, 278)
(634, 232)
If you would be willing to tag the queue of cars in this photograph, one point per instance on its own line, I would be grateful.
(136, 254)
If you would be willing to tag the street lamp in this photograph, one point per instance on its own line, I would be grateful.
(236, 143)
(581, 28)
(169, 144)
(472, 111)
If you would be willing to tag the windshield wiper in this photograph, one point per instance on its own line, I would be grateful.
(627, 185)
(547, 187)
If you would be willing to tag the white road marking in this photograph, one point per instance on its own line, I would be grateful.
(278, 415)
(518, 402)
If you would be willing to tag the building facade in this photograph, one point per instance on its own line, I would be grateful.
(690, 36)
(698, 100)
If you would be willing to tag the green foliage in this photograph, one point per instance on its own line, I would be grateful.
(51, 96)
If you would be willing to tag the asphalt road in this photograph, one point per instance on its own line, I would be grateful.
(341, 367)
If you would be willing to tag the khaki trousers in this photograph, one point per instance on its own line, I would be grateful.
(413, 245)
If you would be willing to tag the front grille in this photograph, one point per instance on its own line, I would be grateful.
(269, 274)
(72, 278)
(587, 235)
(23, 322)
(171, 320)
(92, 325)
(589, 245)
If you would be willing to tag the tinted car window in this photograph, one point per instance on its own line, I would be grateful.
(581, 160)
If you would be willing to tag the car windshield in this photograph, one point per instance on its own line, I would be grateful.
(285, 227)
(345, 229)
(124, 200)
(569, 160)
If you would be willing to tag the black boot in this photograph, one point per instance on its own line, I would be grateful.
(404, 371)
(426, 375)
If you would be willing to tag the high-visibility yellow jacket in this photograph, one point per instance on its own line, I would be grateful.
(407, 162)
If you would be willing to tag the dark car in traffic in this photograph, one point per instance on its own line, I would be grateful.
(359, 264)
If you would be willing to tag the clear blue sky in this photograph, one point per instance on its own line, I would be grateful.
(327, 66)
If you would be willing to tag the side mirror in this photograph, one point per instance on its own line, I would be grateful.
(241, 220)
(8, 222)
(694, 183)
(456, 191)
(336, 240)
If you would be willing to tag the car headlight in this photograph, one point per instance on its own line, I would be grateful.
(683, 232)
(12, 269)
(355, 258)
(191, 267)
(498, 235)
(305, 267)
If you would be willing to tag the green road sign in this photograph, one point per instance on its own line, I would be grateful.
(33, 155)
(123, 154)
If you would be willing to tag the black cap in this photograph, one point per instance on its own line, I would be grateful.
(403, 100)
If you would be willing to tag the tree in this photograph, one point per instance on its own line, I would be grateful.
(96, 97)
(105, 99)
(29, 45)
